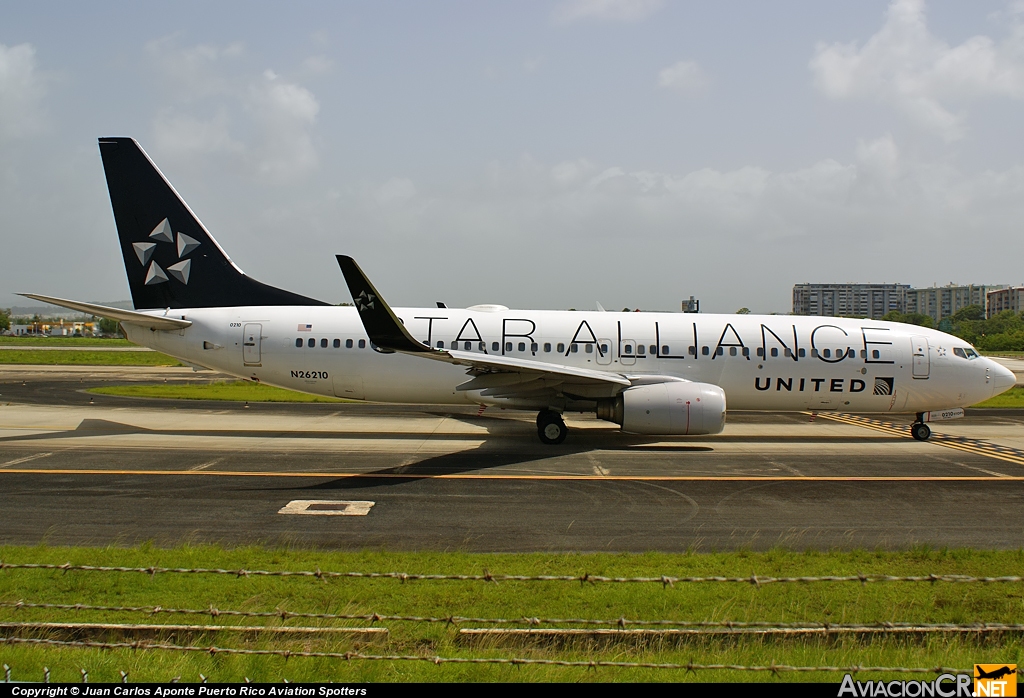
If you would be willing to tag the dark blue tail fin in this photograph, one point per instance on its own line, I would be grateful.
(171, 259)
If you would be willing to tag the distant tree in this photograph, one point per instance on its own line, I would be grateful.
(5, 319)
(743, 311)
(108, 326)
(919, 319)
(968, 312)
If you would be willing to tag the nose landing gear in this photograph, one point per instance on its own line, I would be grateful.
(920, 431)
(550, 427)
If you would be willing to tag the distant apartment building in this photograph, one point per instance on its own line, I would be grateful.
(1011, 298)
(859, 300)
(942, 301)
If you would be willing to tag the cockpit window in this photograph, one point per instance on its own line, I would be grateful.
(971, 354)
(965, 352)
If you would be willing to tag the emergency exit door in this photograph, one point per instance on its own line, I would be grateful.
(251, 343)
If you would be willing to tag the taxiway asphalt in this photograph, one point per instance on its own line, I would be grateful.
(78, 468)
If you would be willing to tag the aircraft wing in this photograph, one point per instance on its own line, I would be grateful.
(155, 322)
(497, 376)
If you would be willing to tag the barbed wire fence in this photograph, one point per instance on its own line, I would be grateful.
(622, 624)
(664, 580)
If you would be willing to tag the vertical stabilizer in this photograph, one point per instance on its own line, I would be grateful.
(171, 259)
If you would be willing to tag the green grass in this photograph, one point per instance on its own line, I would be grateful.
(64, 342)
(817, 602)
(1009, 353)
(86, 358)
(1014, 397)
(237, 391)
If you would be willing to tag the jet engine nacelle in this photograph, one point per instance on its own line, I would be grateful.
(672, 408)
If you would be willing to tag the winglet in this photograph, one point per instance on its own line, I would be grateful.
(382, 326)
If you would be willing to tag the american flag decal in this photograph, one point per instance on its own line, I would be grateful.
(305, 328)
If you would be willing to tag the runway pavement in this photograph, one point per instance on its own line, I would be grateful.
(77, 468)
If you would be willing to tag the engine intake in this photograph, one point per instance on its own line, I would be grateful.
(672, 408)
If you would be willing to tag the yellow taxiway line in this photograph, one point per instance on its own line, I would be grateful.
(513, 476)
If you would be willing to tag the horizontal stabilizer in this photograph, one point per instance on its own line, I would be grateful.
(155, 322)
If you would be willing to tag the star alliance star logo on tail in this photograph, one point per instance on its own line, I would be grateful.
(365, 300)
(155, 274)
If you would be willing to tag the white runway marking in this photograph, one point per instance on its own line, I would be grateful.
(26, 459)
(207, 464)
(321, 507)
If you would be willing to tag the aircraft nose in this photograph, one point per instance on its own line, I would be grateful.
(1002, 378)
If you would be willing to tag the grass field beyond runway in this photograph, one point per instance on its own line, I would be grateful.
(475, 601)
(41, 357)
(237, 391)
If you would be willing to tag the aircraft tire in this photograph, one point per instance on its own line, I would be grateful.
(920, 431)
(550, 427)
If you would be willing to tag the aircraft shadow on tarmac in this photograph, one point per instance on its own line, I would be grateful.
(506, 442)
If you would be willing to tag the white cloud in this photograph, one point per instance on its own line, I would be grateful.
(286, 113)
(684, 76)
(267, 121)
(606, 10)
(21, 92)
(921, 75)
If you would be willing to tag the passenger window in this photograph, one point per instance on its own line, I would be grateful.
(654, 349)
(508, 346)
(639, 349)
(298, 342)
(775, 352)
(348, 343)
(311, 342)
(720, 351)
(362, 343)
(590, 348)
(802, 353)
(746, 351)
(604, 348)
(827, 353)
(664, 350)
(732, 351)
(323, 343)
(455, 345)
(705, 350)
(575, 348)
(561, 348)
(863, 354)
(467, 345)
(533, 347)
(760, 351)
(440, 344)
(789, 353)
(626, 349)
(547, 347)
(875, 354)
(522, 346)
(692, 350)
(482, 346)
(494, 346)
(337, 344)
(814, 353)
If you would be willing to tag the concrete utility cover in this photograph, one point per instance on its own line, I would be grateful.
(323, 507)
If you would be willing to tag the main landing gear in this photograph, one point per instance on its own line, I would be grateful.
(550, 427)
(920, 430)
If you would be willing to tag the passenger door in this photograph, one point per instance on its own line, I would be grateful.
(922, 363)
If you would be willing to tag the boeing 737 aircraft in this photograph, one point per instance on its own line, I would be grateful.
(651, 373)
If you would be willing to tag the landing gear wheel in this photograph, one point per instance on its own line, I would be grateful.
(550, 427)
(920, 431)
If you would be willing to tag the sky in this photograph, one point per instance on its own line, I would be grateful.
(536, 154)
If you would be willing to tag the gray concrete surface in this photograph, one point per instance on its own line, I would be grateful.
(77, 468)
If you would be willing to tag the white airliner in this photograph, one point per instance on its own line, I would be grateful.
(651, 373)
